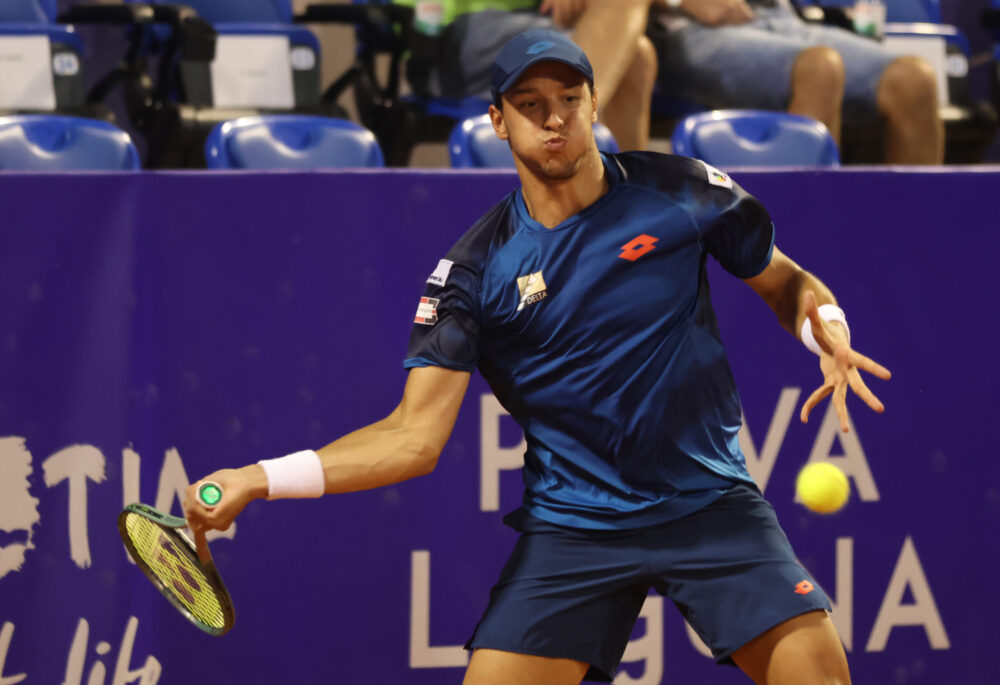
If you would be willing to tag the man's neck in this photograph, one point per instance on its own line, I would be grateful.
(551, 202)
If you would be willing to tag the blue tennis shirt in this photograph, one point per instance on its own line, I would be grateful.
(599, 337)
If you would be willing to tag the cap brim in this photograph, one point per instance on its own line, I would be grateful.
(513, 77)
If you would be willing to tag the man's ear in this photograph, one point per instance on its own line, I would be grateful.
(593, 102)
(499, 125)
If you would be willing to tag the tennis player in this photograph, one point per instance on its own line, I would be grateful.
(582, 299)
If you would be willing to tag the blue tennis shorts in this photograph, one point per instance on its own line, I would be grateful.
(575, 594)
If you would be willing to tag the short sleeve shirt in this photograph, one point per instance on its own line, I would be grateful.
(598, 336)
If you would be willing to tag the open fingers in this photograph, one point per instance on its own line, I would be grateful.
(861, 390)
(839, 400)
(815, 398)
(869, 365)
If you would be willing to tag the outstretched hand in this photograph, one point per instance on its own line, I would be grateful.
(841, 367)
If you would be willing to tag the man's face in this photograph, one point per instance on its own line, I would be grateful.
(548, 117)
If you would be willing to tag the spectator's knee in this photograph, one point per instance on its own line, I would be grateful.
(819, 68)
(908, 87)
(644, 65)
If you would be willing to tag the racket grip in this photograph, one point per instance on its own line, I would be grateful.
(201, 548)
(209, 493)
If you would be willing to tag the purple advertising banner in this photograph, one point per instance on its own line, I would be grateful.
(157, 326)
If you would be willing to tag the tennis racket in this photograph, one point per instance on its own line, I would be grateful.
(182, 571)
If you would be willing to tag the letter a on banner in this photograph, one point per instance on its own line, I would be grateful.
(923, 611)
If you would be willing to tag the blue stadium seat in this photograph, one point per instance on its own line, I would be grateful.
(283, 141)
(473, 145)
(46, 142)
(386, 32)
(261, 17)
(22, 18)
(728, 138)
(198, 90)
(28, 11)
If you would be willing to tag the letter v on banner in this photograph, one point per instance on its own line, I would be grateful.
(853, 462)
(760, 467)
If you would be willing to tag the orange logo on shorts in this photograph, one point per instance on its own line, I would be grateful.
(804, 587)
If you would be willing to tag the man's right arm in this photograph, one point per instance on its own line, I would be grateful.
(403, 445)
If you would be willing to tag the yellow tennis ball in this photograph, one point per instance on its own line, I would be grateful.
(822, 487)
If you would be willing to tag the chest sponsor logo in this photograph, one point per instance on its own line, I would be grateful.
(716, 177)
(637, 247)
(427, 311)
(532, 289)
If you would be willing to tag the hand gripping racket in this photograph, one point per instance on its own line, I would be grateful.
(182, 571)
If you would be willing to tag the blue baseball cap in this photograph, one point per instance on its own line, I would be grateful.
(532, 47)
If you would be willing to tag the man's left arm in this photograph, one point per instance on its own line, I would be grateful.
(804, 306)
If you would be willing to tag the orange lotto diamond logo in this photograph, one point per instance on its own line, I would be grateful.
(804, 587)
(637, 247)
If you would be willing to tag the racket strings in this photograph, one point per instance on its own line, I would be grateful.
(175, 570)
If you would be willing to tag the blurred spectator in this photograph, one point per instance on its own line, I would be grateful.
(611, 32)
(762, 55)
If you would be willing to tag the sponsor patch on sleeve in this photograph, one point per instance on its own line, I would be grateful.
(427, 311)
(716, 177)
(440, 274)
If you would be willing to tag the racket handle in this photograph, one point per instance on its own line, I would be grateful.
(209, 493)
(201, 549)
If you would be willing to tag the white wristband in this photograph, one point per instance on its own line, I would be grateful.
(296, 475)
(827, 312)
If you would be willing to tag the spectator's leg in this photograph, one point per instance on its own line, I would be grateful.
(628, 111)
(908, 99)
(818, 87)
(612, 33)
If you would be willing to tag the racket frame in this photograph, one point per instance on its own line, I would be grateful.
(173, 527)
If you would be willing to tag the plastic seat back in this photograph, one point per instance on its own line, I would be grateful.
(42, 66)
(263, 60)
(41, 142)
(28, 11)
(727, 138)
(283, 141)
